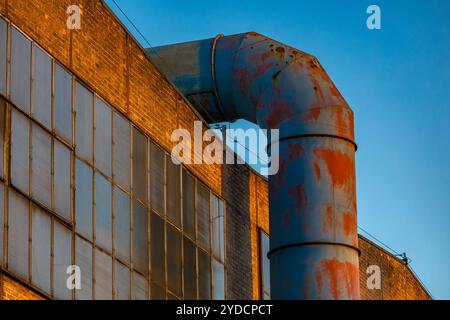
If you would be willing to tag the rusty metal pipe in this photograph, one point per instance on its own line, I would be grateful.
(312, 199)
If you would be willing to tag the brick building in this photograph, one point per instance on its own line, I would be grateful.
(87, 178)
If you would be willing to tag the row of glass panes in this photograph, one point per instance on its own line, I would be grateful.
(264, 264)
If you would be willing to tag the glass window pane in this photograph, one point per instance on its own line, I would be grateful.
(18, 235)
(140, 237)
(189, 204)
(42, 87)
(174, 260)
(41, 166)
(158, 293)
(173, 192)
(103, 276)
(140, 287)
(20, 70)
(84, 122)
(40, 255)
(20, 151)
(122, 224)
(62, 259)
(204, 275)
(2, 134)
(122, 151)
(2, 220)
(63, 103)
(218, 227)
(203, 223)
(103, 214)
(265, 262)
(190, 270)
(83, 199)
(3, 33)
(62, 176)
(139, 165)
(219, 281)
(157, 179)
(122, 282)
(103, 140)
(157, 249)
(83, 259)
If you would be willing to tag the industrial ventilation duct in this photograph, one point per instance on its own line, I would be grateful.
(313, 230)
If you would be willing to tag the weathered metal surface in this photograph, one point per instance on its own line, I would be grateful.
(313, 227)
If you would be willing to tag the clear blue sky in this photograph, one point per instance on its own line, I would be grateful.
(397, 80)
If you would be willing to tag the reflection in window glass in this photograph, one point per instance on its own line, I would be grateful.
(103, 215)
(189, 204)
(265, 265)
(157, 179)
(40, 252)
(203, 223)
(122, 151)
(3, 33)
(62, 176)
(41, 166)
(139, 165)
(158, 293)
(122, 225)
(103, 140)
(2, 134)
(190, 270)
(20, 157)
(122, 282)
(174, 260)
(18, 235)
(103, 276)
(62, 258)
(83, 259)
(204, 275)
(140, 237)
(42, 87)
(2, 220)
(63, 103)
(157, 249)
(84, 122)
(20, 70)
(173, 192)
(140, 287)
(219, 280)
(83, 199)
(217, 208)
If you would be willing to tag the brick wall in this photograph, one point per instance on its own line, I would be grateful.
(10, 289)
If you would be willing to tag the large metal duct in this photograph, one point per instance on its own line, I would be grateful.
(313, 229)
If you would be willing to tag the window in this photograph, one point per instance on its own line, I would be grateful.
(157, 249)
(103, 140)
(2, 134)
(63, 103)
(203, 222)
(41, 244)
(122, 282)
(122, 224)
(265, 265)
(190, 270)
(217, 208)
(83, 259)
(41, 166)
(174, 260)
(84, 122)
(204, 275)
(20, 151)
(18, 234)
(42, 87)
(157, 179)
(83, 199)
(219, 280)
(140, 287)
(20, 70)
(173, 192)
(122, 151)
(189, 204)
(3, 33)
(62, 177)
(158, 293)
(139, 165)
(62, 258)
(103, 276)
(140, 237)
(103, 215)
